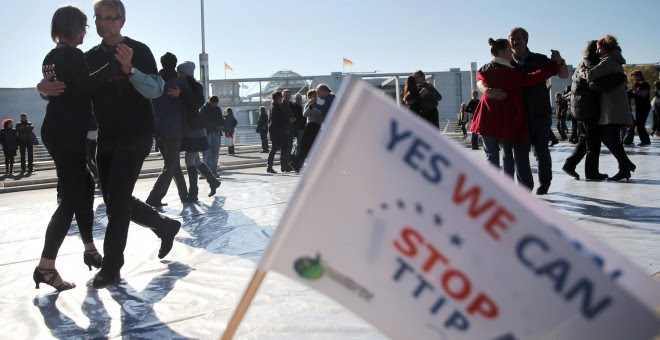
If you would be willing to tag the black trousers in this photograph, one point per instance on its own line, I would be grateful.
(29, 149)
(9, 159)
(76, 188)
(170, 149)
(612, 140)
(277, 139)
(119, 168)
(309, 135)
(431, 115)
(588, 144)
(264, 140)
(640, 123)
(539, 134)
(287, 146)
(91, 158)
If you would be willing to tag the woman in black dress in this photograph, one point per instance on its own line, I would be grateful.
(64, 133)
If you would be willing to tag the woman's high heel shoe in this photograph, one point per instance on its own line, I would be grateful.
(40, 275)
(92, 258)
(619, 176)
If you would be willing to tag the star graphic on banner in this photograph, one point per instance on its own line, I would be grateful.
(437, 220)
(401, 204)
(456, 240)
(419, 208)
(384, 206)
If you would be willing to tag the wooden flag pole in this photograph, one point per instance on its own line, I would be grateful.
(243, 305)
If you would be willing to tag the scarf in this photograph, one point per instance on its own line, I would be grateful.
(502, 61)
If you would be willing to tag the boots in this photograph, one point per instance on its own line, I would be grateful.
(231, 151)
(164, 227)
(193, 190)
(213, 182)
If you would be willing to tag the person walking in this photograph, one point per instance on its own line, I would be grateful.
(503, 122)
(470, 108)
(614, 104)
(230, 130)
(641, 94)
(26, 141)
(429, 99)
(287, 144)
(537, 103)
(411, 96)
(194, 132)
(463, 119)
(585, 108)
(125, 117)
(214, 123)
(299, 122)
(561, 111)
(655, 106)
(312, 127)
(9, 142)
(278, 128)
(262, 129)
(168, 131)
(64, 132)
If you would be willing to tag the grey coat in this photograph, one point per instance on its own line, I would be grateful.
(615, 105)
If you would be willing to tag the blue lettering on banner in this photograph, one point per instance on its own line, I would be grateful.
(419, 156)
(595, 258)
(455, 320)
(558, 270)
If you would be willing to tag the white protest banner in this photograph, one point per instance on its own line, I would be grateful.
(396, 223)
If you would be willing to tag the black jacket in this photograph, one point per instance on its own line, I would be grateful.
(300, 121)
(123, 114)
(262, 123)
(585, 97)
(25, 132)
(429, 102)
(212, 118)
(9, 140)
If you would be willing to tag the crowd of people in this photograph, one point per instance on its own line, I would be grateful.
(106, 105)
(22, 139)
(514, 114)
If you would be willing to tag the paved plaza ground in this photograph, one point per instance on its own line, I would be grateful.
(194, 290)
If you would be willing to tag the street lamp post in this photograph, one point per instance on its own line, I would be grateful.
(204, 60)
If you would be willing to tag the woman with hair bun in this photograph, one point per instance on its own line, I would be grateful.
(614, 104)
(64, 133)
(504, 122)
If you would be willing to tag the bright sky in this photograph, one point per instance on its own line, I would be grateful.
(258, 38)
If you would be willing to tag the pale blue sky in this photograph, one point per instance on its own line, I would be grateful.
(258, 38)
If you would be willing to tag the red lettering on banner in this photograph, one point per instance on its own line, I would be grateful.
(483, 305)
(454, 282)
(406, 234)
(497, 221)
(434, 257)
(464, 284)
(477, 209)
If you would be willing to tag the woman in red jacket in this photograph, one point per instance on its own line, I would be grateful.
(504, 122)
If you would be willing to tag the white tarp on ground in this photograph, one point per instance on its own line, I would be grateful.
(399, 225)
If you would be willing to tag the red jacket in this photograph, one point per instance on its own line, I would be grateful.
(506, 119)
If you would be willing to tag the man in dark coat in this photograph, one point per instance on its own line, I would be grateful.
(430, 99)
(214, 123)
(168, 128)
(124, 114)
(26, 140)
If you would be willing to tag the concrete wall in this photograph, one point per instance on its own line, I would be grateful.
(15, 101)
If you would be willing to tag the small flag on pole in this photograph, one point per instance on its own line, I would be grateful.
(347, 62)
(228, 68)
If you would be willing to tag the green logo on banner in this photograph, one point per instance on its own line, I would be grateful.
(309, 268)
